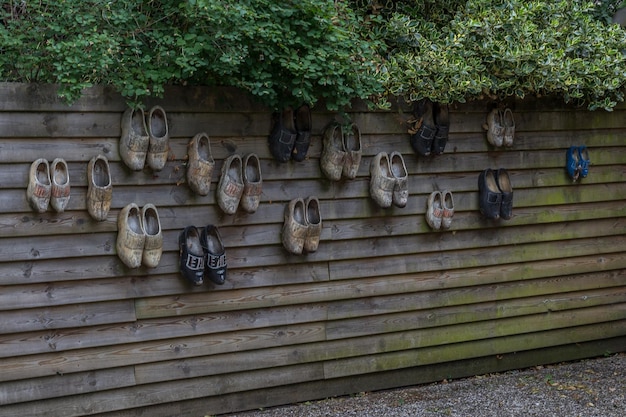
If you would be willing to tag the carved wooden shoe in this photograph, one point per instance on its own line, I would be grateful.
(215, 255)
(159, 138)
(353, 152)
(489, 195)
(200, 164)
(230, 187)
(508, 122)
(153, 246)
(448, 209)
(100, 190)
(495, 128)
(314, 224)
(400, 196)
(134, 141)
(434, 211)
(442, 124)
(191, 256)
(131, 236)
(303, 128)
(283, 135)
(422, 140)
(60, 193)
(252, 183)
(333, 153)
(295, 227)
(506, 189)
(382, 182)
(39, 189)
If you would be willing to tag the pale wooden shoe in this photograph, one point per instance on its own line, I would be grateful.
(314, 224)
(131, 236)
(135, 140)
(447, 202)
(153, 246)
(60, 176)
(39, 189)
(100, 190)
(495, 129)
(333, 155)
(353, 152)
(252, 183)
(230, 187)
(434, 212)
(509, 127)
(200, 165)
(382, 182)
(400, 196)
(295, 227)
(159, 138)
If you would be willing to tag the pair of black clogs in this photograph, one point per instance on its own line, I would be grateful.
(495, 194)
(202, 255)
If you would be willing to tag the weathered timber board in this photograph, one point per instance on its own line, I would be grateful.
(98, 402)
(476, 348)
(272, 396)
(76, 315)
(147, 330)
(78, 360)
(65, 385)
(371, 344)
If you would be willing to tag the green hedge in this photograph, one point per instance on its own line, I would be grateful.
(290, 52)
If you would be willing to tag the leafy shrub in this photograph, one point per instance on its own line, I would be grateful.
(477, 48)
(286, 53)
(281, 52)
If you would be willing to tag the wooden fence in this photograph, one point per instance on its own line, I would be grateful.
(384, 302)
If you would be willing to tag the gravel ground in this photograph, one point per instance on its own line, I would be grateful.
(589, 388)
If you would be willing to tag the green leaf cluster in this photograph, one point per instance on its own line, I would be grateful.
(460, 50)
(283, 53)
(292, 52)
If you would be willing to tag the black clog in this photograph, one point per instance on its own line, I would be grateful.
(442, 123)
(490, 197)
(192, 257)
(504, 185)
(214, 255)
(283, 135)
(422, 140)
(303, 126)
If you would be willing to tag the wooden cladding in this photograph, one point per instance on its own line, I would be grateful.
(384, 302)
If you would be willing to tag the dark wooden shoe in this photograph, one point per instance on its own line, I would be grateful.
(191, 255)
(215, 255)
(489, 195)
(283, 135)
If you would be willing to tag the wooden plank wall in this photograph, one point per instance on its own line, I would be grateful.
(385, 301)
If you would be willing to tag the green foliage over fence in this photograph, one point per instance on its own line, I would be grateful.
(304, 51)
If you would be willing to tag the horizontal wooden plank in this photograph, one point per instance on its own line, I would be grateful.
(77, 315)
(68, 292)
(92, 244)
(145, 330)
(79, 360)
(94, 403)
(43, 97)
(497, 256)
(492, 346)
(60, 385)
(32, 96)
(488, 311)
(290, 394)
(376, 344)
(344, 291)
